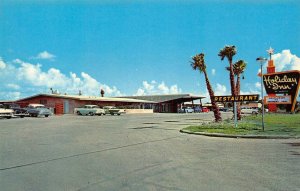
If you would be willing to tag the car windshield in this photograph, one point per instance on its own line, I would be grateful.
(40, 107)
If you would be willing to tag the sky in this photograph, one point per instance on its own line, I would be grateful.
(133, 47)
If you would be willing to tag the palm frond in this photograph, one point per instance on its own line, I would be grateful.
(228, 52)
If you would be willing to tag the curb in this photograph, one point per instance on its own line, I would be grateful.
(240, 136)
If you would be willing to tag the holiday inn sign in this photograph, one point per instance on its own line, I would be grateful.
(281, 82)
(286, 83)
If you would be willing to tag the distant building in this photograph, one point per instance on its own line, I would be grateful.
(168, 103)
(65, 104)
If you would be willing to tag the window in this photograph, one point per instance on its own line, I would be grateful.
(43, 101)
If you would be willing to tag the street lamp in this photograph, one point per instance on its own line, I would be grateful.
(262, 60)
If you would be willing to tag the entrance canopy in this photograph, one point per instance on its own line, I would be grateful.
(179, 98)
(168, 103)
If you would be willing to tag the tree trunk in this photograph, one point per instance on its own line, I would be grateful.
(238, 105)
(232, 84)
(231, 76)
(215, 107)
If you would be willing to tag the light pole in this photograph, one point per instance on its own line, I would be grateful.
(262, 60)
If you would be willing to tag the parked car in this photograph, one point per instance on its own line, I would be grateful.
(35, 110)
(249, 110)
(186, 110)
(5, 113)
(112, 110)
(90, 110)
(18, 111)
(224, 109)
(205, 109)
(198, 109)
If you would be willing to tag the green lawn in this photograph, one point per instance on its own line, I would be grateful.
(275, 124)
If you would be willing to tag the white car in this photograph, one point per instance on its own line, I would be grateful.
(112, 110)
(249, 110)
(5, 113)
(186, 110)
(90, 110)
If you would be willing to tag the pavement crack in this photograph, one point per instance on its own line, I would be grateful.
(86, 153)
(125, 174)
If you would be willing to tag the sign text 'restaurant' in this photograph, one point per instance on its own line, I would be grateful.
(238, 98)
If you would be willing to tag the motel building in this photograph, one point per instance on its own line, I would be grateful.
(169, 103)
(65, 104)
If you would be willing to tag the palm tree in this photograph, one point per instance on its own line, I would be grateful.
(229, 52)
(102, 92)
(198, 63)
(238, 68)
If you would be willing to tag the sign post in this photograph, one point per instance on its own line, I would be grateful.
(235, 115)
(261, 60)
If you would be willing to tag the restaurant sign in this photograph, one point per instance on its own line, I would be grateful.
(239, 98)
(277, 99)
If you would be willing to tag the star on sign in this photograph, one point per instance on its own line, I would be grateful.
(271, 50)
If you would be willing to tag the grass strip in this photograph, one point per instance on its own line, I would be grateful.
(275, 124)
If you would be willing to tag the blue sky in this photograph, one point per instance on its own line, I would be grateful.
(139, 47)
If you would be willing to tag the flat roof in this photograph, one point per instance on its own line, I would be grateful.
(167, 97)
(91, 98)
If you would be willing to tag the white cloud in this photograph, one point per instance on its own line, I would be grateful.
(258, 85)
(148, 86)
(286, 61)
(140, 92)
(13, 86)
(9, 95)
(154, 88)
(259, 71)
(163, 88)
(174, 89)
(2, 64)
(221, 90)
(45, 55)
(213, 72)
(250, 92)
(33, 79)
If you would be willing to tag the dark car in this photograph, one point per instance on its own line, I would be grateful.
(224, 109)
(18, 111)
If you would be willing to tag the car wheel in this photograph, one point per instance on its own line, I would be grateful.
(91, 113)
(78, 113)
(8, 117)
(46, 115)
(119, 113)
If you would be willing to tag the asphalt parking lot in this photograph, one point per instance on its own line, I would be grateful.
(139, 152)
